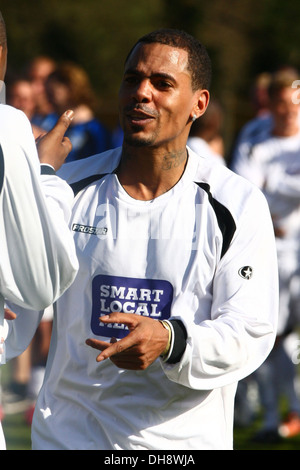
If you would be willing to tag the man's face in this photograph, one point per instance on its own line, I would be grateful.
(285, 111)
(156, 98)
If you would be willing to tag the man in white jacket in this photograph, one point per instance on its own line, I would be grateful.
(177, 283)
(37, 253)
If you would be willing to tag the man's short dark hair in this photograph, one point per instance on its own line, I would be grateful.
(2, 31)
(199, 63)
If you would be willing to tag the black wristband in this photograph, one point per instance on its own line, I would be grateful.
(47, 170)
(179, 343)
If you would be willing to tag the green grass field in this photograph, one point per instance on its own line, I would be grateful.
(17, 434)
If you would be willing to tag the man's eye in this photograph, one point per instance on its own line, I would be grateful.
(163, 84)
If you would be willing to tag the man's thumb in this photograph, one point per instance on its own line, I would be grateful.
(64, 122)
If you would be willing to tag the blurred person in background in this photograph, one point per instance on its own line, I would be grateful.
(38, 71)
(260, 126)
(69, 85)
(274, 166)
(20, 95)
(259, 95)
(205, 136)
(117, 136)
(255, 130)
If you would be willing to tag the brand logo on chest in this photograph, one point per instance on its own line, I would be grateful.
(89, 230)
(148, 297)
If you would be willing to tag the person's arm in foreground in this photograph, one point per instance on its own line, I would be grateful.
(37, 250)
(38, 260)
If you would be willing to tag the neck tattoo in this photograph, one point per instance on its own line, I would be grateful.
(173, 159)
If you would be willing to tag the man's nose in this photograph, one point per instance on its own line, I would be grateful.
(143, 91)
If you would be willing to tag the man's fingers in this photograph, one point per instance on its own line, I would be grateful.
(97, 344)
(53, 148)
(109, 349)
(127, 319)
(63, 123)
(39, 138)
(66, 142)
(66, 118)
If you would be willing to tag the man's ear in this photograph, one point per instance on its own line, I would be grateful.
(202, 100)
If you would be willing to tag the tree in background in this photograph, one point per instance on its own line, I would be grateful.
(244, 38)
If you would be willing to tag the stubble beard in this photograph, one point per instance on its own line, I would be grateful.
(134, 139)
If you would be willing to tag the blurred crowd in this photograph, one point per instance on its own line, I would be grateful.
(47, 89)
(266, 151)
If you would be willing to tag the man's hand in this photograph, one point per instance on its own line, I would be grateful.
(9, 314)
(143, 345)
(53, 147)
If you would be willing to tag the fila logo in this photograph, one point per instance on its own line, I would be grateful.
(89, 230)
(246, 272)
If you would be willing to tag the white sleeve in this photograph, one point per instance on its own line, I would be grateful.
(242, 328)
(18, 333)
(37, 252)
